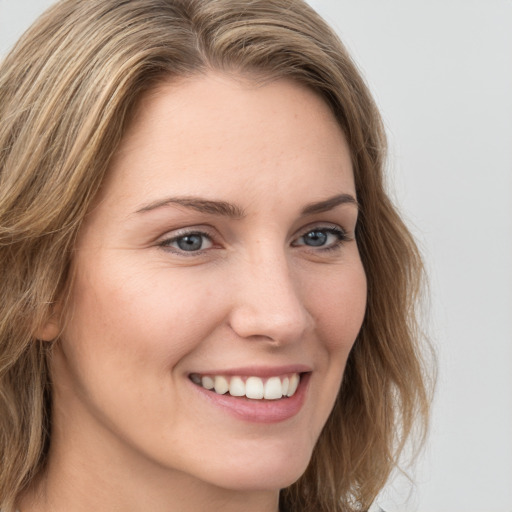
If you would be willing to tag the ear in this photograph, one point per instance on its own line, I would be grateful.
(48, 332)
(50, 329)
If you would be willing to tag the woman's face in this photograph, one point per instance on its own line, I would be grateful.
(220, 252)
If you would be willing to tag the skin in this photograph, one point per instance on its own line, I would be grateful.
(131, 431)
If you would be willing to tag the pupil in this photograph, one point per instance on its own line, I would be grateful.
(190, 242)
(315, 238)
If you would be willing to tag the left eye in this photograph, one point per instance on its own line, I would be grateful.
(189, 242)
(322, 237)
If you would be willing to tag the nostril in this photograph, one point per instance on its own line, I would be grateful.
(277, 326)
(266, 301)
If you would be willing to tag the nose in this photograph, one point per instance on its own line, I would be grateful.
(267, 300)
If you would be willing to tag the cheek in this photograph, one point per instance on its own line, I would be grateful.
(140, 315)
(340, 308)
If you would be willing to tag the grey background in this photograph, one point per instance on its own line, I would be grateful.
(442, 74)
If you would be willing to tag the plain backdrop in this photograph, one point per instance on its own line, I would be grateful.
(441, 71)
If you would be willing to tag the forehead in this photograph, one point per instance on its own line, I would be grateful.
(234, 100)
(221, 131)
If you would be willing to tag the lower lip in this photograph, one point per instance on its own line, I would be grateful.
(259, 411)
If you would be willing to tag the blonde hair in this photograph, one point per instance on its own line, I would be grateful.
(68, 90)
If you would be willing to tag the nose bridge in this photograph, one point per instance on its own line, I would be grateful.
(268, 302)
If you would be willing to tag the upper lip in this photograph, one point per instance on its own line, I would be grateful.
(257, 371)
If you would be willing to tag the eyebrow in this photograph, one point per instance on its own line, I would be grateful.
(329, 204)
(226, 209)
(201, 205)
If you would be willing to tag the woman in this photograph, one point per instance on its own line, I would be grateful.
(208, 298)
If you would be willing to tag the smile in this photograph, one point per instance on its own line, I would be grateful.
(255, 388)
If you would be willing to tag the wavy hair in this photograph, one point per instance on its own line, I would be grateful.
(68, 90)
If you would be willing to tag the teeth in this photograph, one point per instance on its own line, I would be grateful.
(286, 384)
(221, 385)
(273, 389)
(207, 382)
(237, 387)
(294, 382)
(254, 388)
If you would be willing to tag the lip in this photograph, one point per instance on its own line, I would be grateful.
(258, 371)
(258, 411)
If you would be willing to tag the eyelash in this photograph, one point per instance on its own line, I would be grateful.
(166, 244)
(340, 234)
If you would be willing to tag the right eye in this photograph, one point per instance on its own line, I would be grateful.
(190, 242)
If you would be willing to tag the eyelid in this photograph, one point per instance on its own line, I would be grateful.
(340, 232)
(172, 236)
(164, 242)
(326, 226)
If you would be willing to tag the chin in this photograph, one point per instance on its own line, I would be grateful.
(248, 481)
(263, 472)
